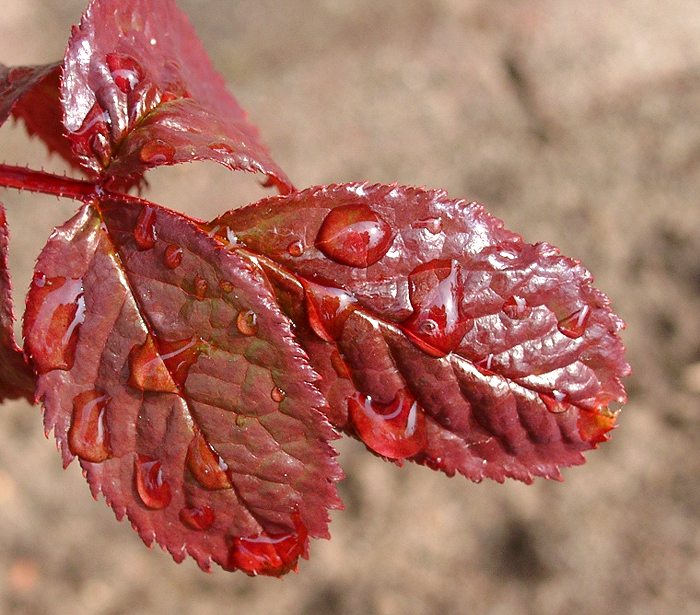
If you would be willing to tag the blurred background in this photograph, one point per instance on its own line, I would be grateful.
(577, 123)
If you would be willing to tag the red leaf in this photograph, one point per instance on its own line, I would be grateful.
(441, 336)
(31, 93)
(139, 91)
(179, 386)
(16, 379)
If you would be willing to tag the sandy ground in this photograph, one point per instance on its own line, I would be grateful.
(578, 123)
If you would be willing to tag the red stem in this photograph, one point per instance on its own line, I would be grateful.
(46, 183)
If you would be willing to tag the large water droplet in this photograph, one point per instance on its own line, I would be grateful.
(152, 488)
(395, 430)
(354, 235)
(126, 72)
(172, 257)
(327, 309)
(436, 293)
(197, 518)
(516, 307)
(145, 230)
(206, 465)
(88, 437)
(53, 320)
(247, 322)
(269, 553)
(157, 152)
(157, 365)
(201, 286)
(574, 325)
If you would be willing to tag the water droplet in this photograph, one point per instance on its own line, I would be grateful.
(52, 321)
(162, 366)
(574, 325)
(436, 292)
(277, 394)
(157, 152)
(152, 488)
(222, 148)
(172, 257)
(88, 437)
(516, 307)
(126, 72)
(296, 248)
(555, 402)
(432, 225)
(247, 322)
(354, 235)
(327, 309)
(145, 230)
(339, 365)
(395, 430)
(226, 286)
(201, 286)
(269, 553)
(206, 465)
(197, 518)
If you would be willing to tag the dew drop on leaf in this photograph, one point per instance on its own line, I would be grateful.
(435, 291)
(354, 235)
(126, 72)
(201, 287)
(554, 403)
(162, 366)
(88, 437)
(53, 318)
(277, 394)
(247, 322)
(296, 248)
(395, 430)
(157, 152)
(574, 325)
(145, 230)
(208, 468)
(327, 309)
(152, 488)
(197, 518)
(172, 257)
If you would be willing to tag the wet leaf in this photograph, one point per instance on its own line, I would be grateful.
(441, 337)
(139, 91)
(172, 405)
(16, 379)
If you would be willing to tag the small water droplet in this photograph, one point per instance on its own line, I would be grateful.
(162, 366)
(53, 320)
(574, 325)
(145, 233)
(277, 394)
(395, 430)
(354, 235)
(201, 286)
(432, 225)
(327, 309)
(269, 553)
(222, 148)
(157, 152)
(247, 322)
(339, 365)
(516, 307)
(206, 465)
(226, 286)
(152, 488)
(197, 518)
(296, 248)
(172, 257)
(88, 437)
(126, 72)
(436, 293)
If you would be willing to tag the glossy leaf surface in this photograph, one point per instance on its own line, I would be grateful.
(16, 379)
(441, 337)
(139, 91)
(165, 379)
